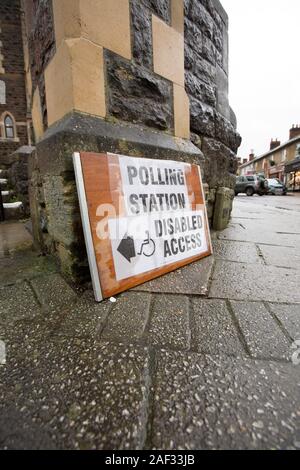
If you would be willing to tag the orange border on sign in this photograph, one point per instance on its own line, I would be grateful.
(103, 185)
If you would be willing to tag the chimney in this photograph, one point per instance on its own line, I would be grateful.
(251, 157)
(294, 131)
(274, 144)
(245, 160)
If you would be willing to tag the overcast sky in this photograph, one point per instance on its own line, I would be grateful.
(264, 69)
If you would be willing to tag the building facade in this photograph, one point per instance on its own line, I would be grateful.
(282, 161)
(14, 117)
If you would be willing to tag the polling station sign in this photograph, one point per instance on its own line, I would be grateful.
(142, 218)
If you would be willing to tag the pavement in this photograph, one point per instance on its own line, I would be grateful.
(14, 237)
(203, 358)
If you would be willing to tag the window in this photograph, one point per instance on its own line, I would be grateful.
(250, 178)
(9, 127)
(2, 92)
(283, 155)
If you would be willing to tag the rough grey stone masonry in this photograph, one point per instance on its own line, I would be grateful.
(141, 12)
(41, 43)
(137, 95)
(206, 63)
(18, 175)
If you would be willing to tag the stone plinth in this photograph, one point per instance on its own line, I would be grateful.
(53, 194)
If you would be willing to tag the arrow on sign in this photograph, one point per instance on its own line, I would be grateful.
(126, 248)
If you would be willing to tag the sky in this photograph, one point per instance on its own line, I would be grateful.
(264, 70)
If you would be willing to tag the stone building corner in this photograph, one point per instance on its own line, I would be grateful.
(140, 78)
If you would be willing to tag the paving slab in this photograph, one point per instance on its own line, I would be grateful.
(262, 232)
(69, 382)
(14, 426)
(192, 279)
(128, 317)
(282, 256)
(23, 340)
(170, 325)
(53, 292)
(262, 333)
(240, 252)
(16, 303)
(85, 318)
(205, 402)
(239, 281)
(271, 204)
(79, 393)
(289, 316)
(213, 330)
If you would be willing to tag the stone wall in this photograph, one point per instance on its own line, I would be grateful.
(18, 176)
(213, 122)
(159, 89)
(136, 94)
(13, 98)
(206, 64)
(39, 27)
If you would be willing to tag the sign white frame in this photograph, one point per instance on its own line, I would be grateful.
(87, 227)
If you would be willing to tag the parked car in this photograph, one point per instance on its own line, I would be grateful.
(276, 187)
(251, 184)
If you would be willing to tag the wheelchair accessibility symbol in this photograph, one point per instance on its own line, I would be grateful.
(127, 247)
(147, 247)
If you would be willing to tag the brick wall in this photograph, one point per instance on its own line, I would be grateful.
(206, 79)
(11, 50)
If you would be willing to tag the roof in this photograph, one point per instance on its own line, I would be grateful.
(270, 152)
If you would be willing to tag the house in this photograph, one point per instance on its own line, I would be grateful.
(282, 161)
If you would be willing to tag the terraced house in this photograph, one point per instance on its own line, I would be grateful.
(282, 161)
